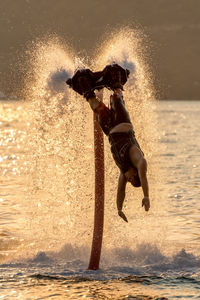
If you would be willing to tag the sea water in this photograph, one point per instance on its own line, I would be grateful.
(47, 187)
(169, 268)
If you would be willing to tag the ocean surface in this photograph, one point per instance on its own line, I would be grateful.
(168, 267)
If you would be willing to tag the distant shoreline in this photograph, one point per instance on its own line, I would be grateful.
(178, 99)
(18, 100)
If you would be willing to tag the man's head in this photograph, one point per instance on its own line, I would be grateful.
(133, 177)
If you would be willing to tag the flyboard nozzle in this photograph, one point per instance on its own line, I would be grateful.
(69, 82)
(127, 72)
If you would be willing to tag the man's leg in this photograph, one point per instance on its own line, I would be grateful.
(94, 103)
(140, 163)
(103, 114)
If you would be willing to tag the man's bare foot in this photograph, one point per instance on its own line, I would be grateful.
(122, 215)
(146, 203)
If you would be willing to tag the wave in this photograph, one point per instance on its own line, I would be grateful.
(145, 259)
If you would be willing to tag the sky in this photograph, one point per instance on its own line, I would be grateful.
(172, 27)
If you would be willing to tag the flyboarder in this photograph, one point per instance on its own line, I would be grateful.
(116, 124)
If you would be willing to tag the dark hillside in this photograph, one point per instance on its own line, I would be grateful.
(173, 26)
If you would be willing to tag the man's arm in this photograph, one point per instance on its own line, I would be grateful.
(94, 102)
(121, 195)
(142, 171)
(140, 163)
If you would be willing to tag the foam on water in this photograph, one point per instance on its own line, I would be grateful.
(154, 273)
(144, 259)
(130, 273)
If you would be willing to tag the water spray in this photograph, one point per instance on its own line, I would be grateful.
(61, 167)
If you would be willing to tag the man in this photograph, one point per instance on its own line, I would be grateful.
(116, 124)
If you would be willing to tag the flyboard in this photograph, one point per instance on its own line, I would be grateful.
(111, 75)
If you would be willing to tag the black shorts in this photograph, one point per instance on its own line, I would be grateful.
(121, 142)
